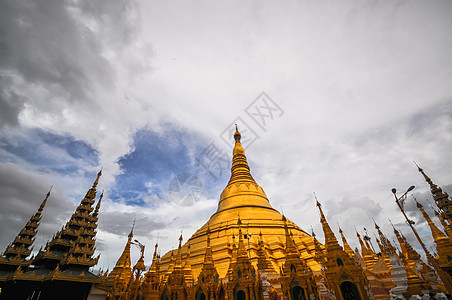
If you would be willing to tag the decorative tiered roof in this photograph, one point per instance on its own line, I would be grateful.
(20, 248)
(74, 245)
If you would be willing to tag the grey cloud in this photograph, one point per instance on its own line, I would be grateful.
(120, 223)
(53, 52)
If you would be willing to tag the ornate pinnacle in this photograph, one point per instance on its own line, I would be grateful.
(41, 207)
(97, 179)
(180, 240)
(237, 134)
(25, 238)
(96, 210)
(240, 170)
(131, 231)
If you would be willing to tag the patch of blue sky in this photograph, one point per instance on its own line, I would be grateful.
(156, 158)
(47, 151)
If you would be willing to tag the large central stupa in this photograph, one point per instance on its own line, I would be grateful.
(244, 198)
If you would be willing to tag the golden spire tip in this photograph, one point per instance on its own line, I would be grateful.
(237, 134)
(419, 168)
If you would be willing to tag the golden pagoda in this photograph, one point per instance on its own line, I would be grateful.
(119, 277)
(343, 276)
(443, 244)
(441, 198)
(244, 196)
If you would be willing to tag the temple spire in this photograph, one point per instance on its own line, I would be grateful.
(242, 189)
(96, 210)
(291, 248)
(443, 244)
(20, 249)
(446, 226)
(179, 253)
(441, 198)
(436, 232)
(240, 171)
(366, 253)
(241, 251)
(330, 239)
(385, 245)
(131, 231)
(188, 273)
(153, 267)
(346, 246)
(122, 272)
(208, 258)
(96, 182)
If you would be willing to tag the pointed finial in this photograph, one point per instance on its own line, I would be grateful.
(418, 205)
(419, 168)
(376, 226)
(396, 232)
(131, 231)
(41, 207)
(316, 200)
(96, 210)
(180, 239)
(237, 134)
(48, 194)
(97, 179)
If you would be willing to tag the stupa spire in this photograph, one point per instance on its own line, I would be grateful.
(331, 242)
(443, 244)
(96, 210)
(240, 171)
(347, 247)
(122, 272)
(153, 267)
(385, 245)
(436, 232)
(208, 258)
(188, 273)
(291, 248)
(96, 182)
(20, 249)
(441, 198)
(124, 260)
(241, 251)
(366, 253)
(446, 226)
(179, 253)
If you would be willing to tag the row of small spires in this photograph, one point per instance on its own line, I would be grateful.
(367, 239)
(98, 204)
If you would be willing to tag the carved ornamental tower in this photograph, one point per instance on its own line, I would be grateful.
(342, 275)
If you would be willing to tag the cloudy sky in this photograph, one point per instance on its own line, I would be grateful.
(336, 98)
